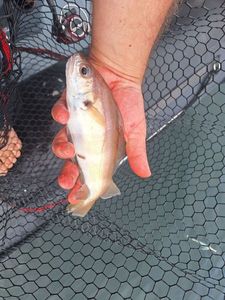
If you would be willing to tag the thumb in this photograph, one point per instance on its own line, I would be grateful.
(131, 105)
(136, 153)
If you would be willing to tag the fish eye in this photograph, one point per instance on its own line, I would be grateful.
(85, 71)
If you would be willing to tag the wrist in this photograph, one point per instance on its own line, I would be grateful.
(115, 66)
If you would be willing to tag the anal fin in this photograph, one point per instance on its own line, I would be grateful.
(112, 191)
(80, 209)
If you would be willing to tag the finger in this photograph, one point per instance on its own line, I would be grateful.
(59, 111)
(8, 163)
(3, 173)
(136, 152)
(68, 175)
(13, 139)
(72, 195)
(12, 133)
(17, 143)
(61, 147)
(3, 169)
(14, 146)
(16, 153)
(64, 150)
(132, 110)
(137, 158)
(12, 158)
(61, 136)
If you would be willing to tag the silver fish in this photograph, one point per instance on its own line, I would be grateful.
(95, 127)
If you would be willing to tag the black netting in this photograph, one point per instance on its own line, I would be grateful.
(163, 238)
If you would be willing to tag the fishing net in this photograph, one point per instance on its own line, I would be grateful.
(163, 238)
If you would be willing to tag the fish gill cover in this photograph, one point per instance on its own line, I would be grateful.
(163, 238)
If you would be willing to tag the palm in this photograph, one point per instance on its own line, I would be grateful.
(129, 99)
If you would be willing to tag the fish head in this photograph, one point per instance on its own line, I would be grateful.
(80, 82)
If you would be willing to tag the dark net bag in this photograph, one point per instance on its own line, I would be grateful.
(163, 238)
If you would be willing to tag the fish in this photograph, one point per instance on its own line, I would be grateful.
(95, 128)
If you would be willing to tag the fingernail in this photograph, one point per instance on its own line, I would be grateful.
(66, 181)
(72, 199)
(62, 119)
(66, 149)
(62, 116)
(146, 171)
(62, 150)
(143, 171)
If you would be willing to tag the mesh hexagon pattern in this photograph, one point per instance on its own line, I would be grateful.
(163, 238)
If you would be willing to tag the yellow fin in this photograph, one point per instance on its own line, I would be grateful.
(97, 116)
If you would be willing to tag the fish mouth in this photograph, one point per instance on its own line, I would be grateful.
(77, 59)
(73, 62)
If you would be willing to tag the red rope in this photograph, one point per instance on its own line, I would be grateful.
(43, 52)
(42, 208)
(6, 51)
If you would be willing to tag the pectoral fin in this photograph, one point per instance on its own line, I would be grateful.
(97, 116)
(111, 191)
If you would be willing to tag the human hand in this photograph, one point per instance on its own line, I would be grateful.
(128, 96)
(10, 152)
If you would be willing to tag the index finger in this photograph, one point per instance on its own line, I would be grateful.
(61, 147)
(59, 111)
